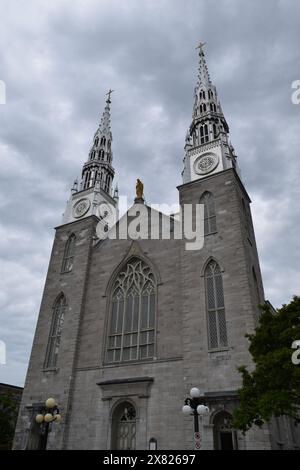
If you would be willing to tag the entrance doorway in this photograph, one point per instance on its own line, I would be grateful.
(224, 435)
(124, 427)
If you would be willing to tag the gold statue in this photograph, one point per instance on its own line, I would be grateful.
(139, 189)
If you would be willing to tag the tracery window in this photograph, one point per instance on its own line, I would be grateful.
(55, 332)
(217, 330)
(132, 316)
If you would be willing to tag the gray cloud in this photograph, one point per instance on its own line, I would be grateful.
(59, 59)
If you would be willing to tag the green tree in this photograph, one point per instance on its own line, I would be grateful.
(273, 387)
(8, 417)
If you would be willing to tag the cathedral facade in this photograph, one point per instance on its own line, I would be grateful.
(128, 326)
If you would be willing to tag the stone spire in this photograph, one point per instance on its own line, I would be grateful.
(203, 75)
(208, 130)
(104, 128)
(99, 165)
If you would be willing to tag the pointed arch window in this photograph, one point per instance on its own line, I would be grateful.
(96, 141)
(55, 332)
(68, 259)
(217, 330)
(204, 135)
(132, 317)
(210, 221)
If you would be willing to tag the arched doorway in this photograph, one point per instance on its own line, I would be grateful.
(124, 427)
(225, 437)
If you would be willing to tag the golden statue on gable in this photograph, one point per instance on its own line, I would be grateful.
(139, 189)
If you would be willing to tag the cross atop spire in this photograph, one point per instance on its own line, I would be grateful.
(110, 91)
(200, 45)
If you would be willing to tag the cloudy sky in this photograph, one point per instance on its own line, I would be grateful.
(59, 58)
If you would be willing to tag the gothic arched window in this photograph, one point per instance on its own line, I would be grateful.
(217, 330)
(132, 316)
(55, 332)
(96, 141)
(68, 259)
(210, 222)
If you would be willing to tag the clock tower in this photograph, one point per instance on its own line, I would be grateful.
(207, 146)
(94, 194)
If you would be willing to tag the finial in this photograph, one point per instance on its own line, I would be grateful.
(109, 93)
(139, 188)
(116, 192)
(75, 186)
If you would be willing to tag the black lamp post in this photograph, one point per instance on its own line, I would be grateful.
(47, 415)
(195, 406)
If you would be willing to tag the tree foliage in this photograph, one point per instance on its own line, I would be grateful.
(8, 417)
(273, 387)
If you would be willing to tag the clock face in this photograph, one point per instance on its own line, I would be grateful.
(81, 207)
(206, 163)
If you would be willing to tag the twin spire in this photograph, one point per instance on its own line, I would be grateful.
(208, 127)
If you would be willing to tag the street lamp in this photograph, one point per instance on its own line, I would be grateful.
(195, 406)
(48, 414)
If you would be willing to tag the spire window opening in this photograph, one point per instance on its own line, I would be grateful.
(204, 134)
(86, 179)
(215, 132)
(96, 141)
